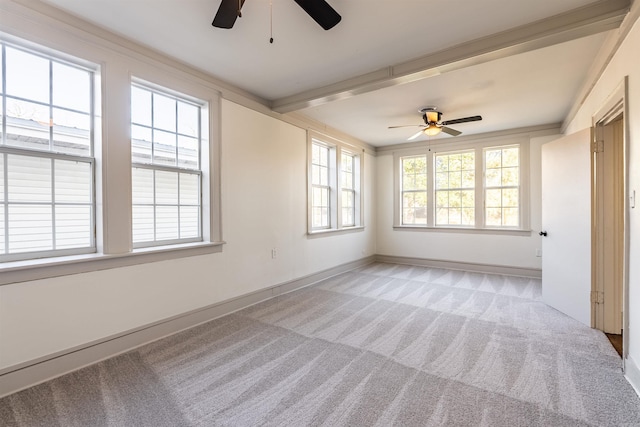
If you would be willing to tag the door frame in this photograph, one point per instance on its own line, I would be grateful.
(613, 107)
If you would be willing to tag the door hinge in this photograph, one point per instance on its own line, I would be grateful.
(597, 146)
(597, 297)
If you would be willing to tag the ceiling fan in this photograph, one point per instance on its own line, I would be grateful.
(433, 123)
(319, 10)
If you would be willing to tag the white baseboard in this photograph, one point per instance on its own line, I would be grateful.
(632, 374)
(466, 266)
(28, 374)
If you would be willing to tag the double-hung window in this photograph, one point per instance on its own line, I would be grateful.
(474, 187)
(47, 202)
(502, 186)
(455, 188)
(166, 173)
(335, 186)
(320, 187)
(348, 189)
(414, 190)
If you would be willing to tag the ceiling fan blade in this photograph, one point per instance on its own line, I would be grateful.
(404, 126)
(450, 131)
(321, 12)
(227, 14)
(411, 138)
(463, 120)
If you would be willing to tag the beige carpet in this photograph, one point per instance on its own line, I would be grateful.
(384, 345)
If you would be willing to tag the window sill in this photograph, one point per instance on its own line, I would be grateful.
(34, 269)
(334, 231)
(495, 231)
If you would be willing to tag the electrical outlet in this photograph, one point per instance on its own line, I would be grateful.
(538, 252)
(274, 253)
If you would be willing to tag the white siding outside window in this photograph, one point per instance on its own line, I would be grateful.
(166, 175)
(47, 197)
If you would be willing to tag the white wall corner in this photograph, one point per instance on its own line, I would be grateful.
(632, 374)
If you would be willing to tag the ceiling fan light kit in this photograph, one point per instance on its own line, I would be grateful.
(432, 130)
(433, 123)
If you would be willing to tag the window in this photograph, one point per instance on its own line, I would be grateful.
(47, 197)
(321, 191)
(166, 175)
(335, 188)
(502, 186)
(455, 188)
(445, 189)
(347, 181)
(414, 190)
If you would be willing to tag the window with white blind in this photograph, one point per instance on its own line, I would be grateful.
(166, 174)
(47, 205)
(478, 186)
(335, 186)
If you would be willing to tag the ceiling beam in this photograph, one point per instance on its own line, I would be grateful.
(581, 22)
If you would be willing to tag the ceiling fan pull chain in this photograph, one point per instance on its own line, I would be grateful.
(271, 20)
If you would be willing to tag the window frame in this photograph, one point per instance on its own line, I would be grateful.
(450, 189)
(350, 189)
(112, 160)
(155, 167)
(451, 147)
(336, 148)
(53, 57)
(486, 187)
(424, 191)
(328, 187)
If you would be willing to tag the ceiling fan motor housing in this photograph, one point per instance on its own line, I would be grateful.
(431, 115)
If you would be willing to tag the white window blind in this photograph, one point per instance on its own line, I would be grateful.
(46, 156)
(166, 175)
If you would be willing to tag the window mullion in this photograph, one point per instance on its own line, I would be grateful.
(179, 210)
(153, 131)
(431, 189)
(50, 107)
(53, 204)
(337, 177)
(6, 202)
(480, 188)
(4, 96)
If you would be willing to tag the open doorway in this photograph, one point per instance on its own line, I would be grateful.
(609, 222)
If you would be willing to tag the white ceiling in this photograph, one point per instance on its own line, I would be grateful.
(509, 89)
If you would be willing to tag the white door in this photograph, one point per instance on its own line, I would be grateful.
(566, 218)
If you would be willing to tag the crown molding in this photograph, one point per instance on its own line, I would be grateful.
(581, 22)
(601, 61)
